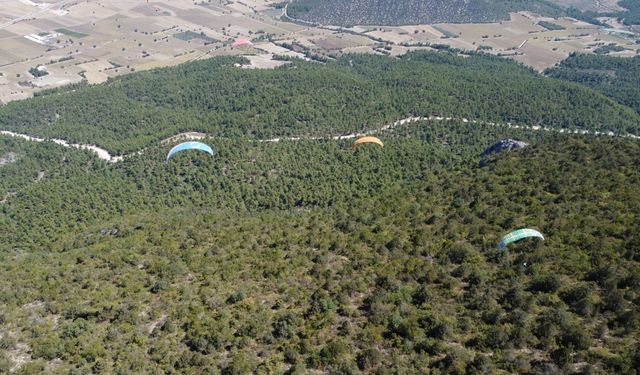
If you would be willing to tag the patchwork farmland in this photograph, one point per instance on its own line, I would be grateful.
(93, 40)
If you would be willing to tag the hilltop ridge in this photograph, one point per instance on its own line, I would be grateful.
(407, 12)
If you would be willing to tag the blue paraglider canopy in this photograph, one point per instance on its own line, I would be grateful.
(189, 146)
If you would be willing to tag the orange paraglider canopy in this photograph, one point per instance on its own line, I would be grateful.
(367, 140)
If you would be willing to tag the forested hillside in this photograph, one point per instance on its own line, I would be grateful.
(393, 12)
(245, 175)
(307, 256)
(616, 77)
(632, 14)
(407, 12)
(384, 262)
(353, 93)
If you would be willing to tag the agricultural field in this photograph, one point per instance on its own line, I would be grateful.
(93, 41)
(522, 38)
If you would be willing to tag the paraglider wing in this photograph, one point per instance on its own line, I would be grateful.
(241, 42)
(517, 235)
(367, 140)
(189, 146)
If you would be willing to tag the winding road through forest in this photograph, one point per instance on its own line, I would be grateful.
(106, 155)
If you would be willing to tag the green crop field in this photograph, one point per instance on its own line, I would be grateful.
(71, 33)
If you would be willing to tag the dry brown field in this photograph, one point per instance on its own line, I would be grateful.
(521, 38)
(102, 39)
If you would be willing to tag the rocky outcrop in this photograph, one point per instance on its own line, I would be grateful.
(8, 158)
(503, 145)
(500, 146)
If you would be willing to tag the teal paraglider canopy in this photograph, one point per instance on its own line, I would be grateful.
(189, 146)
(517, 235)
